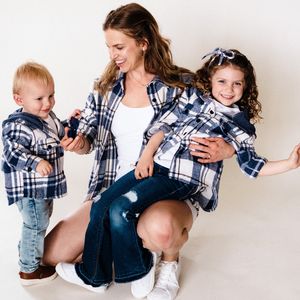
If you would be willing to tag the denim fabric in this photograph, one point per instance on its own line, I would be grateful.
(36, 214)
(111, 237)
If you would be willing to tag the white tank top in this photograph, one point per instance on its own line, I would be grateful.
(128, 126)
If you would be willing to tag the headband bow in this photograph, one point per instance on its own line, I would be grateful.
(219, 52)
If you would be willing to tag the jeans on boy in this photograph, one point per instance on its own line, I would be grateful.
(36, 214)
(111, 237)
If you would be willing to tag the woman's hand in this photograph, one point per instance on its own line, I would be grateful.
(74, 145)
(76, 113)
(211, 149)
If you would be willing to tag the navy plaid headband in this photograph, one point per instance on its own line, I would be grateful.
(219, 52)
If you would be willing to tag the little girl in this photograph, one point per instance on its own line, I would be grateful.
(221, 103)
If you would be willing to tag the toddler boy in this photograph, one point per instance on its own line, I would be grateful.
(32, 163)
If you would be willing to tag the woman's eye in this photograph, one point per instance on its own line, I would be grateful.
(119, 48)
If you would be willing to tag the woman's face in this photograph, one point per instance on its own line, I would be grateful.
(124, 50)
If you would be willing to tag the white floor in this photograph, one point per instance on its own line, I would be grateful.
(247, 249)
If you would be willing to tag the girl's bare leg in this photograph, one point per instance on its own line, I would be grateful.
(164, 226)
(65, 242)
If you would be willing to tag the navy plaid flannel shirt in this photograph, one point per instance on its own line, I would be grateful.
(27, 140)
(95, 125)
(195, 115)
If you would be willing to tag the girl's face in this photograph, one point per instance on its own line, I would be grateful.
(228, 85)
(124, 50)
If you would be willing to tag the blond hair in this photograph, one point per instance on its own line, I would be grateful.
(30, 70)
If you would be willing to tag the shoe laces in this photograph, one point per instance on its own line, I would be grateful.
(163, 274)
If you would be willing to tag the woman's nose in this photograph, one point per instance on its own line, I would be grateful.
(112, 54)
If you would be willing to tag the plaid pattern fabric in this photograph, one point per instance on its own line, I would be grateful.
(195, 115)
(95, 125)
(27, 140)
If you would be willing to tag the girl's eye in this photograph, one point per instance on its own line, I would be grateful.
(39, 99)
(237, 83)
(221, 81)
(51, 96)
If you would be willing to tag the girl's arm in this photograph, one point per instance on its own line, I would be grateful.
(278, 167)
(145, 165)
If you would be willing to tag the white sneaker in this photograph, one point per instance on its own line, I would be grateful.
(166, 280)
(67, 272)
(142, 287)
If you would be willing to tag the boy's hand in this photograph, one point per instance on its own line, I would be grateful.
(144, 167)
(44, 168)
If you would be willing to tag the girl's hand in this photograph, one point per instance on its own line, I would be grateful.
(144, 167)
(211, 149)
(294, 158)
(44, 168)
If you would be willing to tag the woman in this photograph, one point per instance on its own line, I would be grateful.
(136, 84)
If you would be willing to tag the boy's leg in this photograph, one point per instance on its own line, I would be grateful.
(35, 214)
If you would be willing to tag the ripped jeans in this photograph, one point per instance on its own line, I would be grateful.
(111, 238)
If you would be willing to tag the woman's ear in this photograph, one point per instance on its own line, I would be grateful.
(144, 44)
(18, 99)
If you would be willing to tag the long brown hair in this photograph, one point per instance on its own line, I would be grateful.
(136, 22)
(249, 101)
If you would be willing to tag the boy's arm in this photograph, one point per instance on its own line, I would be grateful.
(145, 165)
(16, 143)
(278, 167)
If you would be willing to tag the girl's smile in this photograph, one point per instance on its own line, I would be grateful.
(228, 85)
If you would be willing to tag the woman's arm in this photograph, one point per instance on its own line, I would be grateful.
(211, 149)
(282, 166)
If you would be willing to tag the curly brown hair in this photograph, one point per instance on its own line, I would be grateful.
(249, 101)
(136, 22)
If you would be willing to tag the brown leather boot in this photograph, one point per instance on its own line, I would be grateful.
(40, 275)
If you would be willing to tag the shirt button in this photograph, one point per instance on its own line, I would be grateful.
(211, 112)
(29, 169)
(61, 154)
(186, 111)
(198, 120)
(154, 100)
(49, 147)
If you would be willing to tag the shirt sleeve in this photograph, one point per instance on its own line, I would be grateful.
(17, 140)
(88, 121)
(166, 120)
(249, 161)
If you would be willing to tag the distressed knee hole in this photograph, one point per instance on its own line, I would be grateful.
(132, 196)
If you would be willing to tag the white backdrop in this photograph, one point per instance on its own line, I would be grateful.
(66, 36)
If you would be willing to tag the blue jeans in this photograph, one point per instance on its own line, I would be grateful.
(36, 214)
(111, 236)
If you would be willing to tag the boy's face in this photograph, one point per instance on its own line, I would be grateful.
(36, 98)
